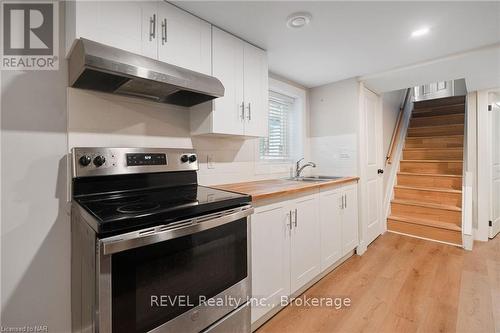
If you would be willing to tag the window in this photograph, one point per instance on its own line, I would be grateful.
(277, 145)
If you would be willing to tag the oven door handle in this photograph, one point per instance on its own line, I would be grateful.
(166, 232)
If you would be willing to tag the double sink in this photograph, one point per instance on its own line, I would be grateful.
(314, 178)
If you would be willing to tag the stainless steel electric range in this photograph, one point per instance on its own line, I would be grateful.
(152, 251)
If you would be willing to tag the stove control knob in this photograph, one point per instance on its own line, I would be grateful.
(85, 160)
(184, 158)
(192, 158)
(99, 160)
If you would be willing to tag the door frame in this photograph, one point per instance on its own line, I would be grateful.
(484, 172)
(363, 206)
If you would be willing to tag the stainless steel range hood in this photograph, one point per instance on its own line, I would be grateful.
(104, 68)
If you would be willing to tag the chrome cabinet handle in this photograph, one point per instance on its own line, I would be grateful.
(164, 31)
(249, 111)
(295, 218)
(242, 106)
(289, 217)
(343, 201)
(152, 27)
(345, 205)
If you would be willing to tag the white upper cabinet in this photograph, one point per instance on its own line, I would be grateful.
(154, 29)
(242, 69)
(255, 83)
(183, 39)
(161, 31)
(128, 25)
(228, 111)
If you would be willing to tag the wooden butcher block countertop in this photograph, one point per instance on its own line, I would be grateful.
(273, 188)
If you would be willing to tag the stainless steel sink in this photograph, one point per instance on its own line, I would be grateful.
(314, 178)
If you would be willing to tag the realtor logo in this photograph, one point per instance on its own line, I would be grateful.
(30, 36)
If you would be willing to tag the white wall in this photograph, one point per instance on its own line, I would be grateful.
(391, 102)
(334, 120)
(479, 67)
(35, 230)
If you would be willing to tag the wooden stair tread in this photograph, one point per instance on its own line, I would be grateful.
(432, 161)
(431, 119)
(440, 125)
(422, 112)
(435, 148)
(429, 174)
(427, 204)
(439, 102)
(426, 222)
(437, 137)
(430, 108)
(430, 189)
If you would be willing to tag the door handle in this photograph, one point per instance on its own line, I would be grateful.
(152, 27)
(164, 31)
(380, 171)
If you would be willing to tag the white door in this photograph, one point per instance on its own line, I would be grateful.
(255, 90)
(183, 39)
(350, 239)
(127, 25)
(227, 59)
(371, 162)
(305, 247)
(495, 167)
(270, 228)
(331, 227)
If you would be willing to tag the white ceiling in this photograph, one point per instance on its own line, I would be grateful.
(349, 39)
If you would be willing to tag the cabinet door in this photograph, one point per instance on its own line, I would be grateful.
(350, 219)
(305, 245)
(183, 39)
(255, 91)
(270, 256)
(330, 207)
(227, 65)
(127, 25)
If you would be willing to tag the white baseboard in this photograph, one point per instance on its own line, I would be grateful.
(468, 242)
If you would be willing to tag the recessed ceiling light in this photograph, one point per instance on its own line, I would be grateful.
(298, 20)
(420, 32)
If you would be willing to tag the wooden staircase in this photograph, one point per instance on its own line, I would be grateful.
(428, 195)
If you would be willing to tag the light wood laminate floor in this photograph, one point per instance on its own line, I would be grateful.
(404, 284)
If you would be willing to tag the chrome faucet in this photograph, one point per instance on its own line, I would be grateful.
(298, 168)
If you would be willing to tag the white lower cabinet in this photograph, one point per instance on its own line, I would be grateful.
(294, 240)
(331, 227)
(270, 256)
(349, 213)
(305, 246)
(339, 223)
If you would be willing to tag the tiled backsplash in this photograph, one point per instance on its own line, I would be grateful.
(102, 120)
(335, 155)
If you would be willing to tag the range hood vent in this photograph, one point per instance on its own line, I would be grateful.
(104, 68)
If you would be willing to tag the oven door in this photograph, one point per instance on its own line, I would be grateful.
(180, 278)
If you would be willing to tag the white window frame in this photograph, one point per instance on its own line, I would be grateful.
(281, 100)
(298, 146)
